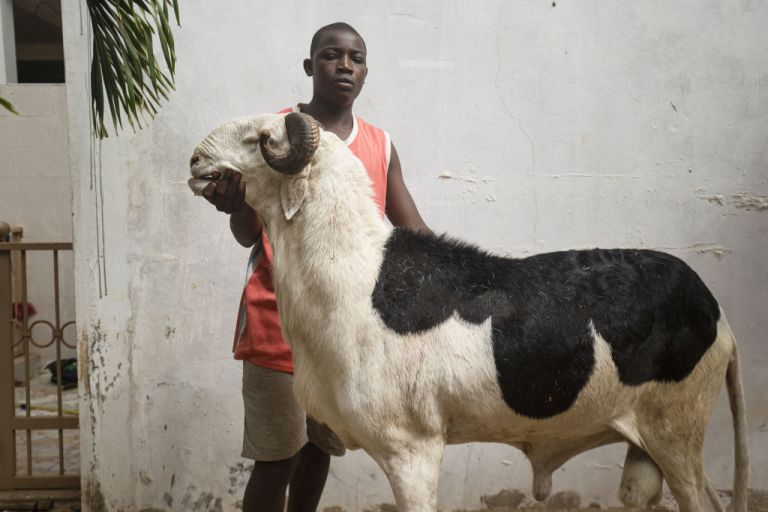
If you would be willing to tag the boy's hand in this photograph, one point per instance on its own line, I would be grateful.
(226, 192)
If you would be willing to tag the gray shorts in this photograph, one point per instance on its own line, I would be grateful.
(276, 427)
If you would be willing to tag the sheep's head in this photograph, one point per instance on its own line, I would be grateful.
(270, 150)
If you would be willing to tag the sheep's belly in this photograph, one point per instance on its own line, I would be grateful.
(444, 382)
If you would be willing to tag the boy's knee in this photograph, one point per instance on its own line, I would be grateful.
(313, 452)
(278, 472)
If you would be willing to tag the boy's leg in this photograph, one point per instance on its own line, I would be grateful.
(266, 487)
(275, 432)
(312, 469)
(308, 479)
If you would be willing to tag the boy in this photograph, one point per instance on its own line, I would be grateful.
(290, 450)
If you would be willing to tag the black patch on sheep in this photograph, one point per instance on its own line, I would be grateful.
(654, 311)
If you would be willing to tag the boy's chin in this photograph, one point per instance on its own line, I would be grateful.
(341, 99)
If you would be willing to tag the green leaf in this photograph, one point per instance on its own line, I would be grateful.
(7, 105)
(176, 10)
(97, 94)
(124, 67)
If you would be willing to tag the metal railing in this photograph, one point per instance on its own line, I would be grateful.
(17, 423)
(13, 234)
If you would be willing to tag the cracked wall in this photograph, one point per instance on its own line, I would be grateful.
(522, 127)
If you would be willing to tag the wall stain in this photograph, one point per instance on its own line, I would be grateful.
(82, 364)
(700, 247)
(510, 498)
(717, 250)
(749, 201)
(741, 200)
(447, 175)
(717, 199)
(93, 496)
(514, 499)
(238, 477)
(203, 502)
(476, 185)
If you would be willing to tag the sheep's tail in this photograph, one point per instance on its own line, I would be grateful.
(739, 417)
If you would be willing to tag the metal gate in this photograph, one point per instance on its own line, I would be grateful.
(23, 422)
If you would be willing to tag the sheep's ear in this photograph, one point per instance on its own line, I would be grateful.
(293, 190)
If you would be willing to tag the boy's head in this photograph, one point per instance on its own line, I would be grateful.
(339, 26)
(337, 64)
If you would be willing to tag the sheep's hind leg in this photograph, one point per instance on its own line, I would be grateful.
(413, 471)
(679, 458)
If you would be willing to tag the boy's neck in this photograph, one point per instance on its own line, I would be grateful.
(334, 119)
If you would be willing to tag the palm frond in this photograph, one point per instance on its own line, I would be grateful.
(7, 105)
(124, 68)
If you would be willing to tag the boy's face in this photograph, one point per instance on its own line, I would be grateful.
(338, 68)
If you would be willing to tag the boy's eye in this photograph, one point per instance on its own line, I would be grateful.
(329, 55)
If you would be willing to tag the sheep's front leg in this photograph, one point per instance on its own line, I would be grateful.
(413, 471)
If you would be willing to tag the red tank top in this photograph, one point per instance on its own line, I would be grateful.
(258, 336)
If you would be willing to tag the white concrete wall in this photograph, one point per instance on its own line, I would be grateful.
(36, 194)
(8, 73)
(524, 127)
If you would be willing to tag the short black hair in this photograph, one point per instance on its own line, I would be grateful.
(339, 26)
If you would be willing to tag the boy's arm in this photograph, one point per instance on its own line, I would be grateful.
(227, 193)
(245, 226)
(401, 210)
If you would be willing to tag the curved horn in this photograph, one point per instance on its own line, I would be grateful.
(304, 137)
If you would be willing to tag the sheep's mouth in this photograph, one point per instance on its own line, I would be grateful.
(202, 174)
(198, 183)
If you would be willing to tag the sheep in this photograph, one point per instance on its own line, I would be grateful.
(404, 342)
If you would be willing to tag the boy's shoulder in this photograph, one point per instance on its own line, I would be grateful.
(363, 125)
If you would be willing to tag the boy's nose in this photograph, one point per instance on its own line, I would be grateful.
(345, 63)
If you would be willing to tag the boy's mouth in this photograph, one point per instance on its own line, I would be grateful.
(344, 83)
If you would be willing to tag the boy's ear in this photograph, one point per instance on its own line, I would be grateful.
(308, 67)
(293, 191)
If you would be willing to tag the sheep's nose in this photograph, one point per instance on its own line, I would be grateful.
(195, 159)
